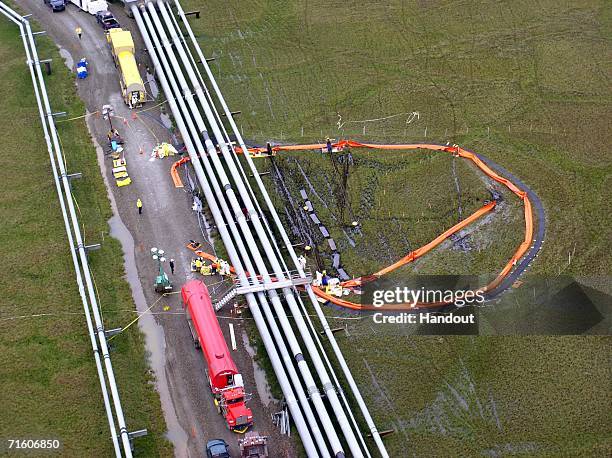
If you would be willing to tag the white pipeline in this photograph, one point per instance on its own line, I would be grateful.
(37, 80)
(162, 42)
(340, 357)
(330, 336)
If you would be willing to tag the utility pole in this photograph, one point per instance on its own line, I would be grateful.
(107, 113)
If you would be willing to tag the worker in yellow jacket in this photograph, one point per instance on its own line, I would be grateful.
(205, 270)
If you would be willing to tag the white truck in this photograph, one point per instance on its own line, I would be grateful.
(91, 6)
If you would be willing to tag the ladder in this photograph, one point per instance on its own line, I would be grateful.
(254, 285)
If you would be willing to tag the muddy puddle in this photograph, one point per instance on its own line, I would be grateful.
(155, 342)
(263, 389)
(68, 60)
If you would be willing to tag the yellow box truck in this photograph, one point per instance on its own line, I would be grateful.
(122, 49)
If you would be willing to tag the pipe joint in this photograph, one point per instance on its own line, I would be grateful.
(313, 390)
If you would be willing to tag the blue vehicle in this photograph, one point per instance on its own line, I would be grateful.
(56, 5)
(81, 68)
(217, 448)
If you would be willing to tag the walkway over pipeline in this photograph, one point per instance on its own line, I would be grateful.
(416, 254)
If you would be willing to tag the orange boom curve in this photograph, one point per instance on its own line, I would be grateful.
(176, 178)
(412, 256)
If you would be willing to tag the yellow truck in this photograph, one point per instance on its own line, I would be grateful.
(122, 49)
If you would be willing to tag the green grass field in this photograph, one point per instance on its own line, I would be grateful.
(525, 83)
(50, 387)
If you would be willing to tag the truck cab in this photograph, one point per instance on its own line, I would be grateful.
(233, 408)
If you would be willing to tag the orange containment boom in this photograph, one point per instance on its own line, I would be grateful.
(455, 151)
(416, 254)
(176, 178)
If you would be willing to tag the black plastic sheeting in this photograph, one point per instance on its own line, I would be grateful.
(330, 241)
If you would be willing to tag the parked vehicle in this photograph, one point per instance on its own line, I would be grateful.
(110, 23)
(81, 68)
(107, 20)
(91, 6)
(56, 5)
(217, 448)
(100, 15)
(254, 445)
(122, 49)
(223, 377)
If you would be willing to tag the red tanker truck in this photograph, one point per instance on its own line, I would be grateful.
(223, 376)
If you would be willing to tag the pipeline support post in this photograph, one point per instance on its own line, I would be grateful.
(112, 332)
(134, 434)
(47, 63)
(92, 247)
(73, 176)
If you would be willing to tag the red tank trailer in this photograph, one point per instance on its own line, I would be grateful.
(223, 376)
